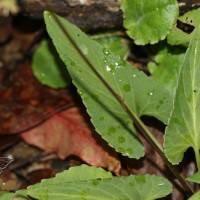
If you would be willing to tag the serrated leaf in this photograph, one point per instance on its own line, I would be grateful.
(178, 36)
(140, 187)
(166, 66)
(195, 178)
(142, 95)
(149, 21)
(183, 130)
(48, 68)
(79, 174)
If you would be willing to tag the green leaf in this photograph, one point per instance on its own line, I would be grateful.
(195, 178)
(18, 195)
(166, 66)
(48, 68)
(141, 187)
(183, 130)
(178, 36)
(142, 95)
(114, 43)
(80, 173)
(149, 21)
(196, 196)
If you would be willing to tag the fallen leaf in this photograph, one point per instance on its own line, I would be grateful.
(24, 102)
(67, 133)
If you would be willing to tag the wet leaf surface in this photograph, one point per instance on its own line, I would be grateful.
(26, 104)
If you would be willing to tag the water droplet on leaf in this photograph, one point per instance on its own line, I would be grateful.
(84, 49)
(105, 52)
(109, 68)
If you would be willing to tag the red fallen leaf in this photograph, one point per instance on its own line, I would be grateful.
(24, 102)
(67, 133)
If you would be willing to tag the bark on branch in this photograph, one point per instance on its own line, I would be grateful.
(88, 14)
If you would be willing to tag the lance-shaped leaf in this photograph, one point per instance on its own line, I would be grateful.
(72, 184)
(183, 130)
(141, 94)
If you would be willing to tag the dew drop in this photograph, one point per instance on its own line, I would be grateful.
(150, 93)
(108, 69)
(105, 52)
(84, 49)
(116, 64)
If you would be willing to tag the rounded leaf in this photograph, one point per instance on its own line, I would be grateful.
(48, 68)
(149, 21)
